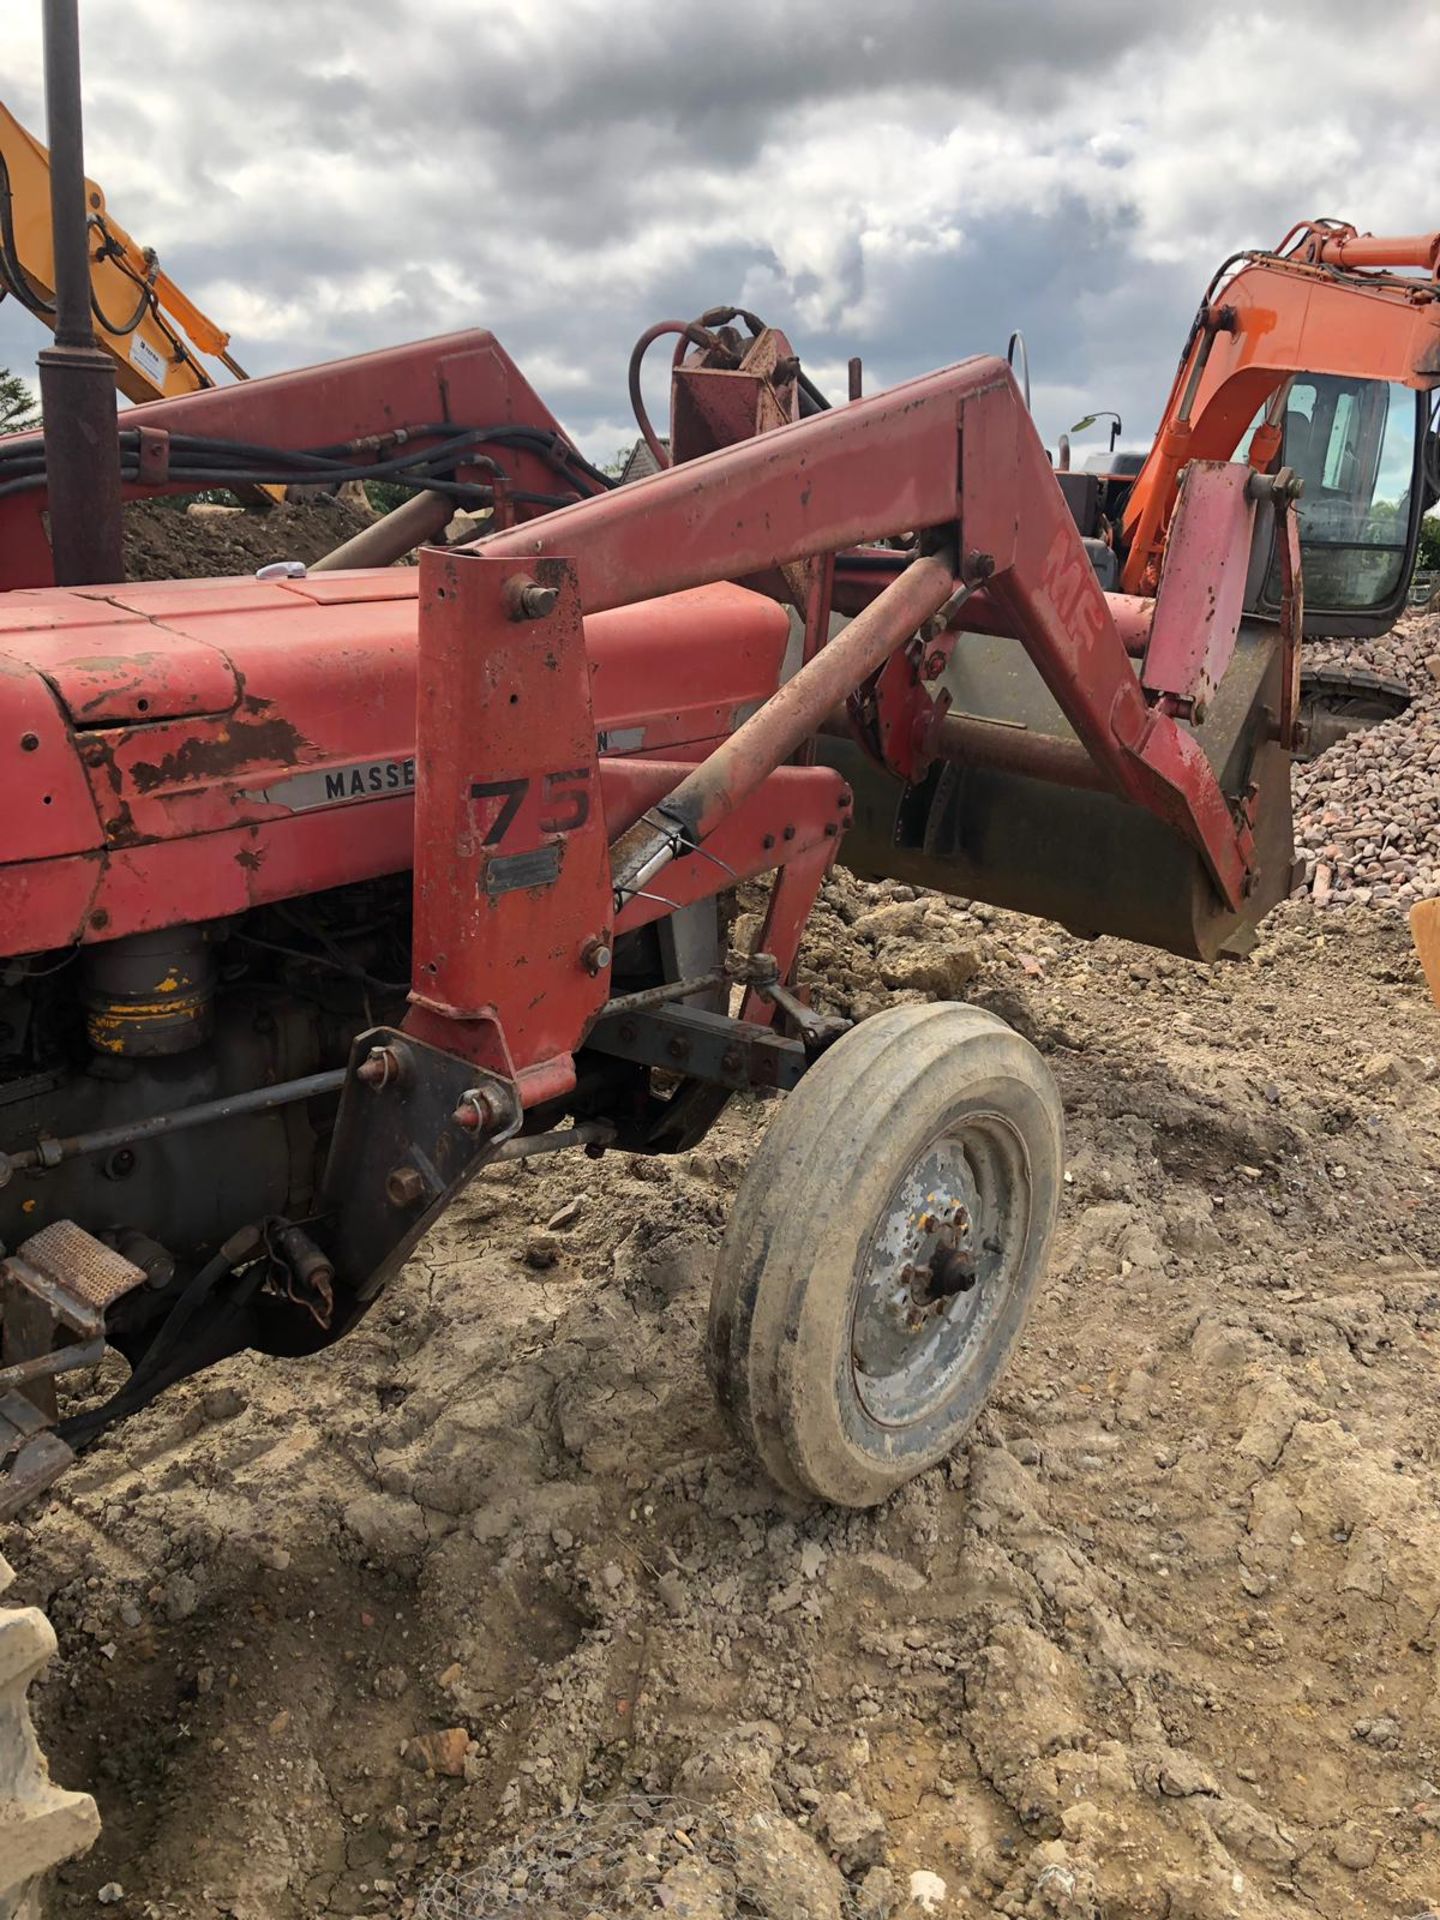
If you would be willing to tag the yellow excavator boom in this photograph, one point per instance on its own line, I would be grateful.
(154, 332)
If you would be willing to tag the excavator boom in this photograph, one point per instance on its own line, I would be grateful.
(1314, 351)
(152, 330)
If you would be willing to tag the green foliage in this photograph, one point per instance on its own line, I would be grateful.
(1427, 556)
(385, 495)
(19, 409)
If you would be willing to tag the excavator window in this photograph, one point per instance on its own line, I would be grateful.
(1356, 444)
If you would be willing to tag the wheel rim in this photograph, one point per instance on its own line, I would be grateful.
(938, 1270)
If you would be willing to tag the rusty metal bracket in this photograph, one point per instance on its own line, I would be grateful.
(398, 1157)
(32, 1457)
(154, 467)
(1283, 490)
(702, 1046)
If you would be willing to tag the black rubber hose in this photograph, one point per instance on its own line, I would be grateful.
(147, 1378)
(16, 277)
(142, 308)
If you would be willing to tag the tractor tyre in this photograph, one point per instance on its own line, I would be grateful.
(40, 1823)
(884, 1249)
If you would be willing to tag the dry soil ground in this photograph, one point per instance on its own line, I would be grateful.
(1160, 1642)
(344, 1637)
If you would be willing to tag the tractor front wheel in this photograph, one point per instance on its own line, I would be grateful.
(884, 1249)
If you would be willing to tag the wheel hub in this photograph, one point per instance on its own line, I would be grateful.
(922, 1287)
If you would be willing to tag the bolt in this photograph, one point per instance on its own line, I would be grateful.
(29, 742)
(476, 1111)
(527, 600)
(831, 830)
(768, 842)
(787, 833)
(934, 665)
(677, 1047)
(379, 1067)
(405, 1186)
(596, 955)
(732, 1060)
(627, 1031)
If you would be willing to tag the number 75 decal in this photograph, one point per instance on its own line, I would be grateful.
(564, 802)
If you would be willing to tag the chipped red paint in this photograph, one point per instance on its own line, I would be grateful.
(1202, 590)
(151, 818)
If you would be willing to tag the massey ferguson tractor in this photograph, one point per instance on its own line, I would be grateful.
(320, 892)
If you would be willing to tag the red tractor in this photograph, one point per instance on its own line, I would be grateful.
(319, 893)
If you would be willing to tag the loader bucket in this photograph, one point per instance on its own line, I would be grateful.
(1087, 859)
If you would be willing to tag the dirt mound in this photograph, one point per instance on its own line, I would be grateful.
(1367, 811)
(351, 1635)
(165, 541)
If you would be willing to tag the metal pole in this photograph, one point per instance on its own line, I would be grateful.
(285, 1093)
(720, 783)
(402, 530)
(77, 378)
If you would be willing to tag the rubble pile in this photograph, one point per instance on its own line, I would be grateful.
(1367, 811)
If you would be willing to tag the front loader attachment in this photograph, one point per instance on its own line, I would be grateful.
(1008, 822)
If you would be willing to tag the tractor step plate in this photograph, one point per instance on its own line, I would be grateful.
(72, 1273)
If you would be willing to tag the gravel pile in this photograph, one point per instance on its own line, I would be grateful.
(1367, 811)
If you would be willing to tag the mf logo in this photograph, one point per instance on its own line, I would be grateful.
(1068, 581)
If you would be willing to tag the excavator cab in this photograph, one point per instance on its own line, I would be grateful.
(1359, 445)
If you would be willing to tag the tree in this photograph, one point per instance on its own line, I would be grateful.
(19, 410)
(1427, 554)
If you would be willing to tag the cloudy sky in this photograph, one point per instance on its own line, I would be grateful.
(906, 181)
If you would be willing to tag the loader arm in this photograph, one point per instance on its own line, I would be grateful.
(952, 450)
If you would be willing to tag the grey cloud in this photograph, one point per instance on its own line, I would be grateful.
(370, 170)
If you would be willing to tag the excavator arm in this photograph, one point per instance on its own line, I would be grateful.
(1329, 303)
(152, 330)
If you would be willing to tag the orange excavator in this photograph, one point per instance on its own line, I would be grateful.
(155, 334)
(1312, 368)
(1323, 353)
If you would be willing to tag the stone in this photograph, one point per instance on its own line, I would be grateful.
(877, 1895)
(222, 1403)
(854, 1833)
(1353, 1847)
(927, 1891)
(182, 1597)
(541, 1252)
(671, 1589)
(443, 1752)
